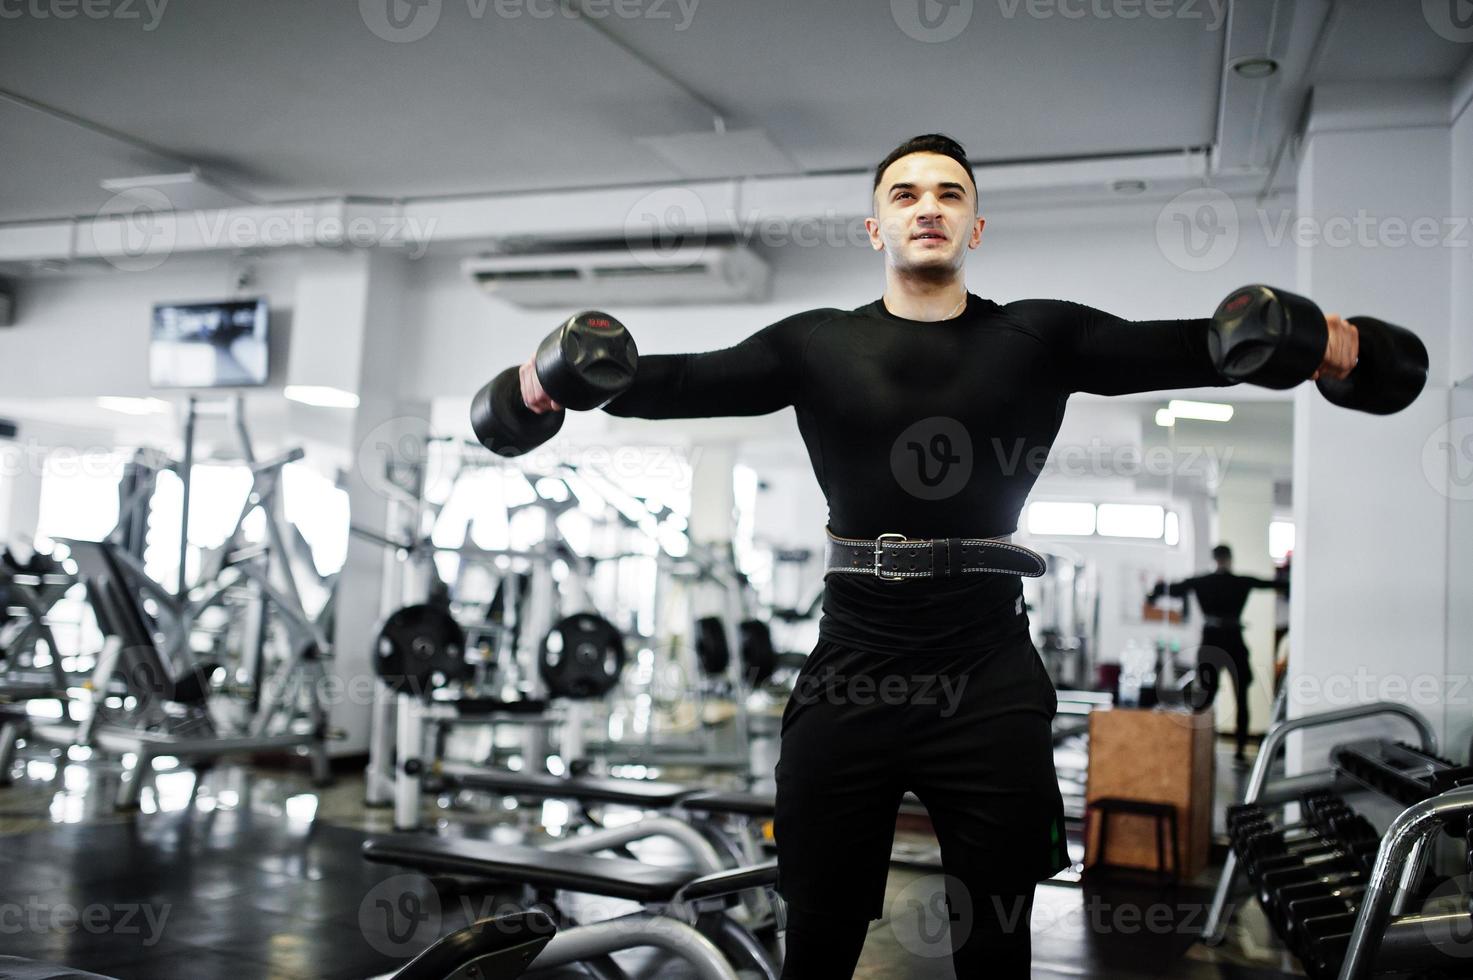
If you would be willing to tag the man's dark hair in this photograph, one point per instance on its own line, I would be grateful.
(1222, 553)
(929, 143)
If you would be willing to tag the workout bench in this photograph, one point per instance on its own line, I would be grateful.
(685, 911)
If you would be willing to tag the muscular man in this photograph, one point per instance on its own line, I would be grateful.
(927, 413)
(1222, 596)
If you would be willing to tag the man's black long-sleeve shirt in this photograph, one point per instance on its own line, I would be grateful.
(1222, 595)
(926, 429)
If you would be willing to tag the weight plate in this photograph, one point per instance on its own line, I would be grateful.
(420, 648)
(582, 657)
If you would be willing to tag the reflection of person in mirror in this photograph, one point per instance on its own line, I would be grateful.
(1222, 596)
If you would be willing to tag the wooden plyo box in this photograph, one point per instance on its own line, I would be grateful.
(1156, 756)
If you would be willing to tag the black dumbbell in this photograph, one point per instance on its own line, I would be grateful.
(583, 364)
(1239, 812)
(1279, 883)
(1275, 872)
(1338, 866)
(1324, 946)
(1248, 835)
(1274, 338)
(1245, 813)
(1317, 817)
(1320, 808)
(1269, 849)
(1361, 850)
(1319, 886)
(1257, 844)
(1310, 891)
(1265, 854)
(1277, 863)
(1298, 904)
(1308, 918)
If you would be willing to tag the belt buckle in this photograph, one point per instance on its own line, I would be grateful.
(879, 552)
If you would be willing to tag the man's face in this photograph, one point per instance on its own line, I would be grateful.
(925, 214)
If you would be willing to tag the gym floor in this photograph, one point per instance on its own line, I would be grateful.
(253, 873)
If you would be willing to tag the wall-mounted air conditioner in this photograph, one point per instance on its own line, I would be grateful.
(625, 274)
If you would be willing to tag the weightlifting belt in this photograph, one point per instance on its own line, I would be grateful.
(1221, 623)
(893, 557)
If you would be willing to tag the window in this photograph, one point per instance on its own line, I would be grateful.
(1131, 521)
(1147, 522)
(1052, 517)
(216, 494)
(319, 509)
(79, 495)
(1280, 539)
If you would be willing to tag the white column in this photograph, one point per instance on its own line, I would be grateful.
(1245, 500)
(1368, 611)
(347, 333)
(713, 522)
(20, 490)
(712, 499)
(1453, 449)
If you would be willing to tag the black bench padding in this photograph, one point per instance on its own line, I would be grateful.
(17, 968)
(492, 949)
(486, 706)
(612, 877)
(743, 804)
(732, 881)
(630, 792)
(764, 804)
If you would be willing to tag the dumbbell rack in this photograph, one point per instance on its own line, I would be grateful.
(1307, 876)
(1401, 772)
(1337, 895)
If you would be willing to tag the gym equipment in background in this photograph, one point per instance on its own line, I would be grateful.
(151, 694)
(498, 948)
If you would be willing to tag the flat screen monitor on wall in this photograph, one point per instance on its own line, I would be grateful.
(209, 345)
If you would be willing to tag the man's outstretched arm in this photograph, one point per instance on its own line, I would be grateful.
(757, 376)
(1176, 590)
(1106, 355)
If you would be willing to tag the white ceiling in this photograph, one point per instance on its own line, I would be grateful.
(286, 99)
